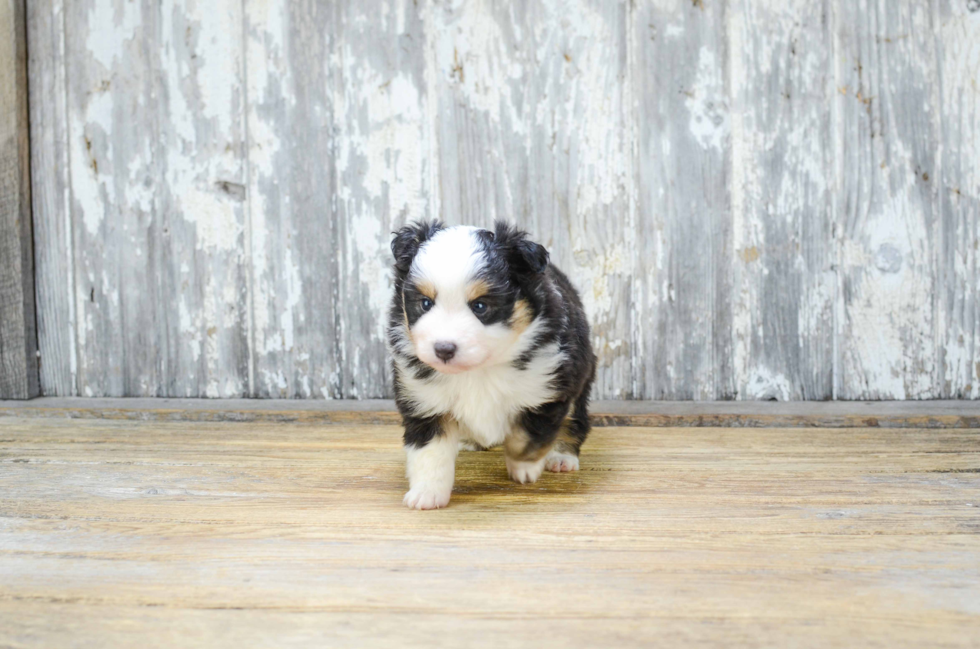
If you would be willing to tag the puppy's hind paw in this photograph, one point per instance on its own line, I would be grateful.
(524, 472)
(561, 462)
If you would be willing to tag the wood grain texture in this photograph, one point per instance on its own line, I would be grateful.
(889, 109)
(292, 189)
(958, 315)
(531, 101)
(223, 534)
(18, 332)
(157, 175)
(758, 199)
(684, 267)
(784, 283)
(54, 272)
(382, 129)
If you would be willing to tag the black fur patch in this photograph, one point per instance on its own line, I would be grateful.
(419, 431)
(542, 424)
(412, 301)
(407, 242)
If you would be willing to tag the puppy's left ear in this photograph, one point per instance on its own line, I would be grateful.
(533, 256)
(408, 240)
(523, 255)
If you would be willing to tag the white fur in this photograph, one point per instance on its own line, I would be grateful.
(431, 471)
(524, 472)
(449, 258)
(449, 262)
(485, 400)
(560, 462)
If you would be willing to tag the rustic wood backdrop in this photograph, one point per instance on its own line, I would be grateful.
(758, 198)
(18, 329)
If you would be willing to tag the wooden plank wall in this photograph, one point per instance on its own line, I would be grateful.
(759, 199)
(18, 332)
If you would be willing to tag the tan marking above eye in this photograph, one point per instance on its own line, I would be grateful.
(426, 289)
(408, 327)
(520, 319)
(477, 289)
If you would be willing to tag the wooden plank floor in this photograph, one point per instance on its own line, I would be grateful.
(123, 533)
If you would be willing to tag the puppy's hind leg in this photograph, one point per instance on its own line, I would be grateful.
(559, 460)
(526, 448)
(522, 467)
(563, 456)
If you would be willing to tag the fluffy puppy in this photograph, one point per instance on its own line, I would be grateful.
(490, 346)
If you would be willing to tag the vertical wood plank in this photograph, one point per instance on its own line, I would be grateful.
(887, 139)
(684, 230)
(476, 75)
(534, 127)
(578, 131)
(338, 135)
(784, 280)
(292, 186)
(18, 333)
(156, 133)
(383, 136)
(50, 191)
(958, 318)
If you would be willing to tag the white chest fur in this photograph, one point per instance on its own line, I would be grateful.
(486, 400)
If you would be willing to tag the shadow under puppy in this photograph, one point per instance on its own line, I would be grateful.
(491, 346)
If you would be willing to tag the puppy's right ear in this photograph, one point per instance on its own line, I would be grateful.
(408, 240)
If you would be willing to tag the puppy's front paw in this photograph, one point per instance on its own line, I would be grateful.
(524, 472)
(561, 462)
(426, 497)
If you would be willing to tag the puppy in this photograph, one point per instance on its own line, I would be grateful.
(490, 346)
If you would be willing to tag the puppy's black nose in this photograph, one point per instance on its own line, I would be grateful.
(445, 351)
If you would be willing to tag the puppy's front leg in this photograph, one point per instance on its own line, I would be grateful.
(431, 446)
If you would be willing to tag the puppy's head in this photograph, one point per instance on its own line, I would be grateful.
(466, 294)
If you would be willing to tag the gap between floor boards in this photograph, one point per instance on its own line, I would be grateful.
(728, 414)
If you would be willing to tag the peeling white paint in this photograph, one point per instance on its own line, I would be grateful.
(891, 310)
(708, 103)
(471, 50)
(371, 243)
(216, 219)
(543, 110)
(112, 26)
(765, 385)
(593, 278)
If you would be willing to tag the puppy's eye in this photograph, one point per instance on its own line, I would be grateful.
(479, 307)
(427, 304)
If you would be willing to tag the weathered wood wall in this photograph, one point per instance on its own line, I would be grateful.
(758, 198)
(18, 332)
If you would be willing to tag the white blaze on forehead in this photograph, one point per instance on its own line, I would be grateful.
(449, 261)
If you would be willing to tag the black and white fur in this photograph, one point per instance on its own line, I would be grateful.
(490, 346)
